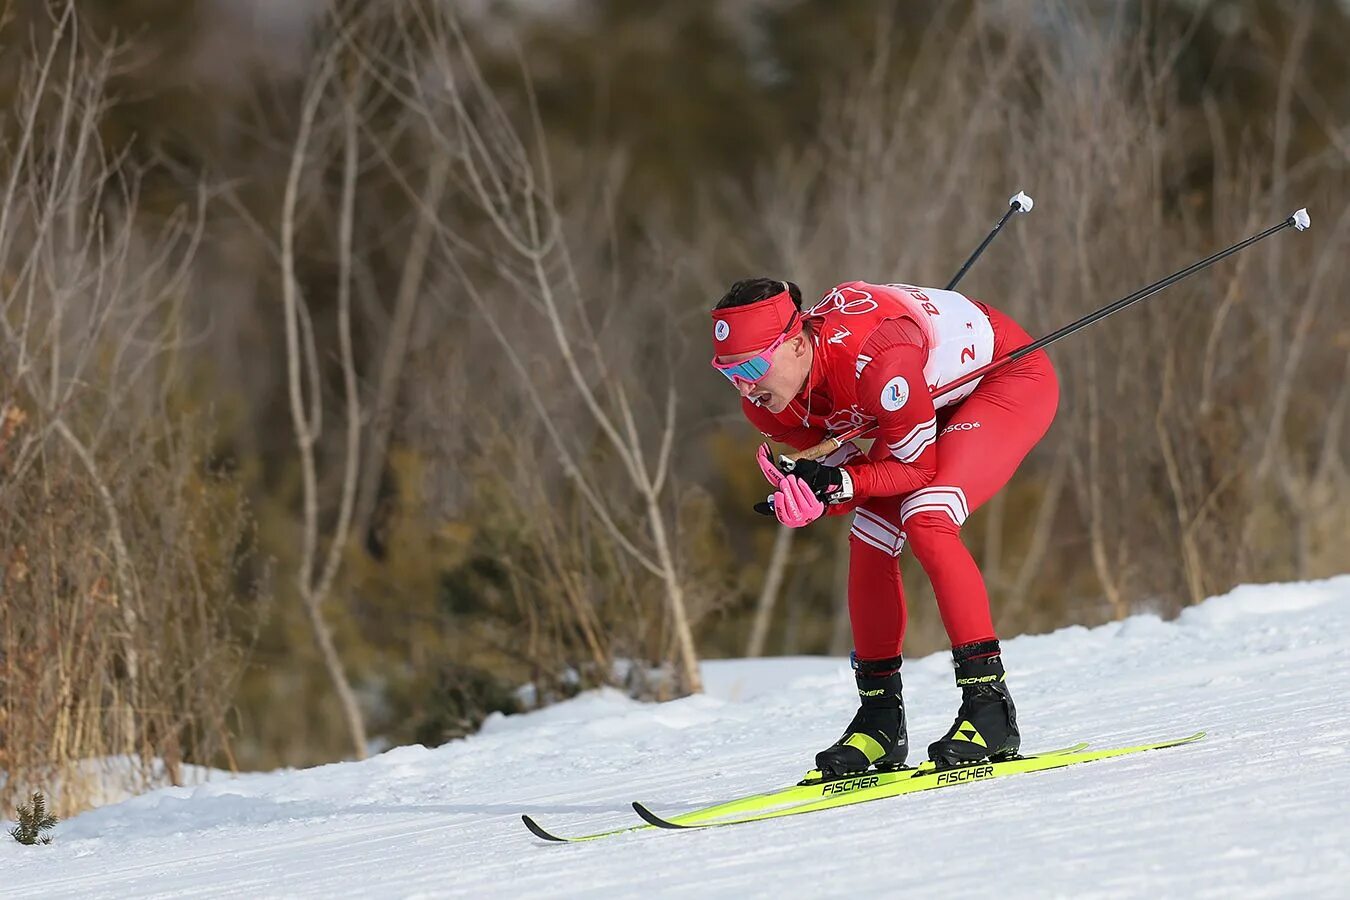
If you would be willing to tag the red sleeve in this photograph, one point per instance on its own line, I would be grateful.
(797, 436)
(892, 388)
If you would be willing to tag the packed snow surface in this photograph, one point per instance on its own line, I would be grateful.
(1257, 808)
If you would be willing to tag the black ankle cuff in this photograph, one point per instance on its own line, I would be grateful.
(875, 668)
(975, 651)
(979, 669)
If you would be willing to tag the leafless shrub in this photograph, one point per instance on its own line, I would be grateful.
(314, 577)
(116, 543)
(529, 258)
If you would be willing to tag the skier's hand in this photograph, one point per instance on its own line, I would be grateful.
(829, 484)
(795, 504)
(772, 473)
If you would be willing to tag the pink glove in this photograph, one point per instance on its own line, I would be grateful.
(795, 504)
(772, 473)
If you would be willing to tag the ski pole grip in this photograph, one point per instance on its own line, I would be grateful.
(818, 452)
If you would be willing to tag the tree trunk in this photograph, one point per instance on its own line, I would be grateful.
(323, 640)
(396, 351)
(691, 680)
(768, 594)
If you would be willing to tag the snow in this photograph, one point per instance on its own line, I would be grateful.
(1255, 808)
(112, 779)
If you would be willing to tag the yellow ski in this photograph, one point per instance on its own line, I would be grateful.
(777, 799)
(909, 782)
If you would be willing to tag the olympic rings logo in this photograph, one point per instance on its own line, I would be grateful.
(848, 301)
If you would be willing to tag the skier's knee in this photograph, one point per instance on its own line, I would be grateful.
(933, 516)
(928, 532)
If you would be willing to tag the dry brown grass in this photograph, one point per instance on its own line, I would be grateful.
(116, 544)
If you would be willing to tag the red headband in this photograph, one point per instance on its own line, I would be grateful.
(754, 326)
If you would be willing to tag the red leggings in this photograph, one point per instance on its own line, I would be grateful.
(981, 442)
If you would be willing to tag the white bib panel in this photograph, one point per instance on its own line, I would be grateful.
(964, 339)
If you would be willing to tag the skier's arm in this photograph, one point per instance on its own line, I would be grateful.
(798, 437)
(892, 388)
(801, 437)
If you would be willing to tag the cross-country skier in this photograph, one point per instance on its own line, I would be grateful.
(874, 353)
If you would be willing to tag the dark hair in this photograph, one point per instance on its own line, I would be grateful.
(753, 290)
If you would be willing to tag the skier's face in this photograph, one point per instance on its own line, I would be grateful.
(788, 369)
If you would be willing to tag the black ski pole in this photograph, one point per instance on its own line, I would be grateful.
(1298, 221)
(1019, 202)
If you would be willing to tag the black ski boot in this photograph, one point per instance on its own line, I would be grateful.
(876, 736)
(986, 723)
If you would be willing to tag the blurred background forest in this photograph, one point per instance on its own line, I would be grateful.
(353, 362)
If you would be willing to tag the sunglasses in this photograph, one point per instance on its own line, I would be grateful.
(749, 371)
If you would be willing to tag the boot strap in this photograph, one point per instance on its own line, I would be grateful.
(974, 651)
(875, 668)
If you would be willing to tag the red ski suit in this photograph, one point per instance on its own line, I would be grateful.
(879, 352)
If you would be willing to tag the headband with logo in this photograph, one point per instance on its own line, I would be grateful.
(754, 326)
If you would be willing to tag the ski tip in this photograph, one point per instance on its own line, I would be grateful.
(1178, 742)
(539, 832)
(652, 818)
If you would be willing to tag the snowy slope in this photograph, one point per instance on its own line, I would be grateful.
(1258, 807)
